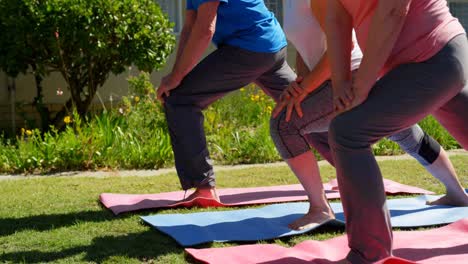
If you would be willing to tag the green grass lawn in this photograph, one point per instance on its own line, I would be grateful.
(60, 219)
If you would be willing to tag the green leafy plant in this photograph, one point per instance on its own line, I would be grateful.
(134, 135)
(84, 41)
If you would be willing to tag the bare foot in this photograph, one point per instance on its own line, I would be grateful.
(208, 193)
(453, 200)
(313, 218)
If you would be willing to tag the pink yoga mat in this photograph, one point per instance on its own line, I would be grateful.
(443, 245)
(120, 203)
(391, 187)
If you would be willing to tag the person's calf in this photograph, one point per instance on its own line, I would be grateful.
(443, 170)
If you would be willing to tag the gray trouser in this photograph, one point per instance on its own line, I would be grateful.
(225, 70)
(398, 100)
(292, 138)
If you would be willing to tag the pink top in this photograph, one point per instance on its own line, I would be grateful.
(429, 26)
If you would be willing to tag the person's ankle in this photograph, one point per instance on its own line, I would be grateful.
(454, 191)
(321, 209)
(206, 188)
(208, 191)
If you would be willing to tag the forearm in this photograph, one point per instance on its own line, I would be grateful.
(195, 46)
(318, 75)
(321, 72)
(339, 41)
(184, 35)
(301, 68)
(314, 78)
(384, 30)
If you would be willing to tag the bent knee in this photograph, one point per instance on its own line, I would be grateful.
(287, 138)
(279, 127)
(348, 132)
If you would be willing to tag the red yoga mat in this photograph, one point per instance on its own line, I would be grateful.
(448, 244)
(120, 203)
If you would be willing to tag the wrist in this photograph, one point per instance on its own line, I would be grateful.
(176, 76)
(341, 84)
(367, 75)
(363, 84)
(310, 88)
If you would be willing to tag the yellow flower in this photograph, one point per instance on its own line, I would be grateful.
(137, 99)
(269, 108)
(23, 131)
(242, 89)
(67, 120)
(28, 132)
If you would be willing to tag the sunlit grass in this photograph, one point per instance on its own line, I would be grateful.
(60, 220)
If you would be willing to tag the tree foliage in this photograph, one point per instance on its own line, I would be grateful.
(84, 40)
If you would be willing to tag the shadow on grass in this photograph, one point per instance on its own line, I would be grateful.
(45, 222)
(143, 246)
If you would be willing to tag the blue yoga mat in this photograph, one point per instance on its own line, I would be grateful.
(272, 221)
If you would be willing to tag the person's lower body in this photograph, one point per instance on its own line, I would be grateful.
(226, 69)
(294, 139)
(398, 100)
(294, 146)
(435, 160)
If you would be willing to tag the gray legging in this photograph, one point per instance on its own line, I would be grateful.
(398, 100)
(225, 70)
(296, 137)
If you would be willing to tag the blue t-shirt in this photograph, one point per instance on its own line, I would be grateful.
(246, 24)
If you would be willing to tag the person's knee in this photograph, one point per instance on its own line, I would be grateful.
(287, 138)
(430, 149)
(274, 131)
(345, 132)
(337, 132)
(170, 109)
(279, 128)
(418, 144)
(172, 101)
(409, 139)
(279, 132)
(180, 103)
